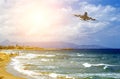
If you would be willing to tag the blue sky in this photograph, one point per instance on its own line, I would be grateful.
(110, 35)
(114, 3)
(53, 20)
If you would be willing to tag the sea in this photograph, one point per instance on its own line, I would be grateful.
(66, 64)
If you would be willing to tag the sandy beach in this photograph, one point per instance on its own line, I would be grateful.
(4, 60)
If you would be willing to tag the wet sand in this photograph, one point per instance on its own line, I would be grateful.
(4, 60)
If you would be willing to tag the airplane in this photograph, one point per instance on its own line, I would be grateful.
(85, 17)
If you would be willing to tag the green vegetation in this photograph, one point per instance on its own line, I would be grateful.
(21, 47)
(30, 48)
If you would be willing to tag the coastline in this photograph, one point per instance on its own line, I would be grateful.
(9, 65)
(4, 60)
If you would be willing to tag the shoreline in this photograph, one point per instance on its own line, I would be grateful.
(4, 61)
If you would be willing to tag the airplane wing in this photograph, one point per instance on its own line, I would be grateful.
(77, 15)
(85, 18)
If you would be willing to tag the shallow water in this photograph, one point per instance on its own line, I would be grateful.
(68, 64)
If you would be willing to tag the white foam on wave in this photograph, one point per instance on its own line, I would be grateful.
(11, 51)
(27, 56)
(14, 62)
(101, 64)
(43, 59)
(84, 75)
(78, 54)
(108, 75)
(19, 67)
(31, 56)
(48, 55)
(87, 65)
(54, 75)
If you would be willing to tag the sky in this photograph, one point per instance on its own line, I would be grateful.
(54, 20)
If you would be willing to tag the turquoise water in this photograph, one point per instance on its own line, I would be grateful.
(68, 64)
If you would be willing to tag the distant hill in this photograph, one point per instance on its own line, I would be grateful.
(91, 47)
(52, 45)
(7, 42)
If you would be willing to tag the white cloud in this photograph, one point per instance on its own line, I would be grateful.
(105, 16)
(67, 27)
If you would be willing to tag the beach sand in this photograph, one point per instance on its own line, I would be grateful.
(4, 60)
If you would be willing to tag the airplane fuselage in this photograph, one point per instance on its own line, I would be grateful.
(84, 17)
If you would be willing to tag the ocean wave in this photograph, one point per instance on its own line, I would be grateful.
(107, 75)
(31, 56)
(43, 55)
(64, 65)
(27, 56)
(101, 64)
(19, 67)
